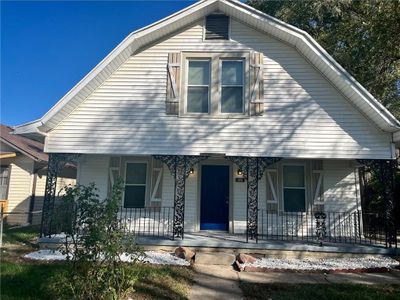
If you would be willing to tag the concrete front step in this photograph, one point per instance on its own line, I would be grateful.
(214, 258)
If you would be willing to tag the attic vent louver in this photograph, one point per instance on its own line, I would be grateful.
(217, 27)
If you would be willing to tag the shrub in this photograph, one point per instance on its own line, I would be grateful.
(95, 246)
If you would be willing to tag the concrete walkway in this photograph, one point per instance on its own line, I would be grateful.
(222, 282)
(215, 282)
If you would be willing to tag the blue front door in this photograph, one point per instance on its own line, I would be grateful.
(214, 213)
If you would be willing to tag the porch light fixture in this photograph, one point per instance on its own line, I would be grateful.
(191, 171)
(240, 172)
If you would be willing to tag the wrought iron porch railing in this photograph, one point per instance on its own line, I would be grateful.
(340, 227)
(149, 221)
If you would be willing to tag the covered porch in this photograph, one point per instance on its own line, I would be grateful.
(254, 214)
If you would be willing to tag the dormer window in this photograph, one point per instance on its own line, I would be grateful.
(216, 27)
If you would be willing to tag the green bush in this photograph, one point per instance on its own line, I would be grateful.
(95, 245)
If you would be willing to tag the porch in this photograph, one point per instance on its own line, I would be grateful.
(356, 228)
(342, 231)
(236, 243)
(255, 211)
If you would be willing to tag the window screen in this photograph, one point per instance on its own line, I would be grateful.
(232, 86)
(217, 27)
(294, 188)
(198, 86)
(135, 185)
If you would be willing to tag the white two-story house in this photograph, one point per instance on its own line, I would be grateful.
(220, 117)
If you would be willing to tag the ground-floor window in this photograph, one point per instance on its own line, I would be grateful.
(4, 180)
(294, 191)
(135, 184)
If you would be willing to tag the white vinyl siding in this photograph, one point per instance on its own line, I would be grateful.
(94, 168)
(126, 114)
(341, 187)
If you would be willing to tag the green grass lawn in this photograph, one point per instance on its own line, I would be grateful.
(20, 236)
(319, 291)
(30, 280)
(25, 279)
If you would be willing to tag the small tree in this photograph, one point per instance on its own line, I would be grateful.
(96, 246)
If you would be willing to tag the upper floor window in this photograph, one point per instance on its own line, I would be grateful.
(227, 84)
(215, 84)
(198, 91)
(232, 86)
(217, 27)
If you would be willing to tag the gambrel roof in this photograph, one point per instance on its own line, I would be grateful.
(138, 40)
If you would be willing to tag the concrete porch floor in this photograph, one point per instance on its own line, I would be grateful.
(222, 241)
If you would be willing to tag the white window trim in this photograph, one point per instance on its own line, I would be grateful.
(305, 185)
(215, 83)
(135, 184)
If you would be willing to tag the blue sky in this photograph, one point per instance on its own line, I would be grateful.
(47, 47)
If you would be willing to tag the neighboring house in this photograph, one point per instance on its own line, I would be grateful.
(220, 117)
(22, 177)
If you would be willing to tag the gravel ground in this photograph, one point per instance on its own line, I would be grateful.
(45, 255)
(325, 264)
(152, 257)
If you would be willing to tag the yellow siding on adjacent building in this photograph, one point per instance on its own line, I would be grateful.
(20, 189)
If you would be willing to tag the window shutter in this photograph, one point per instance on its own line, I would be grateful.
(272, 181)
(256, 84)
(113, 173)
(156, 180)
(317, 182)
(173, 86)
(272, 190)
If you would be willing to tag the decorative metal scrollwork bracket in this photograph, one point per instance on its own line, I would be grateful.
(385, 171)
(56, 163)
(320, 226)
(253, 169)
(179, 166)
